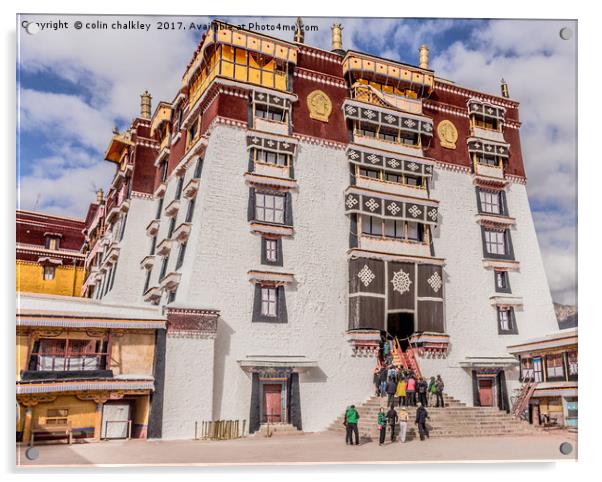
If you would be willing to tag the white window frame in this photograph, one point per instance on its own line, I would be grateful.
(555, 371)
(269, 208)
(271, 250)
(505, 319)
(269, 301)
(49, 272)
(490, 201)
(495, 242)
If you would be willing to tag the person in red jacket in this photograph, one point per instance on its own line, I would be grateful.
(411, 391)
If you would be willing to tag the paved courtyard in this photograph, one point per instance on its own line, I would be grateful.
(303, 449)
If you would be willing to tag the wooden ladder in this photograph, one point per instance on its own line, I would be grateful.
(521, 402)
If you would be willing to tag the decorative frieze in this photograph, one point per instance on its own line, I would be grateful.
(399, 163)
(387, 118)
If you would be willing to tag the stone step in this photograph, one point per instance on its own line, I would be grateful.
(278, 429)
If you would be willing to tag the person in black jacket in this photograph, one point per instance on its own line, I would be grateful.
(382, 377)
(421, 388)
(421, 416)
(391, 388)
(392, 421)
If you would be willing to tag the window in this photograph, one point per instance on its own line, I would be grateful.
(572, 363)
(190, 210)
(486, 123)
(198, 168)
(393, 178)
(393, 228)
(112, 276)
(491, 201)
(271, 157)
(554, 366)
(49, 272)
(181, 254)
(369, 173)
(414, 231)
(506, 321)
(56, 354)
(179, 186)
(495, 242)
(163, 171)
(372, 225)
(269, 208)
(163, 267)
(146, 281)
(153, 245)
(159, 208)
(171, 296)
(526, 368)
(192, 131)
(487, 160)
(52, 242)
(172, 225)
(269, 302)
(502, 284)
(122, 227)
(270, 251)
(270, 113)
(178, 120)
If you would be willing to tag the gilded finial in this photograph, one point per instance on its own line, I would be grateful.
(145, 105)
(299, 31)
(504, 86)
(99, 195)
(337, 38)
(424, 56)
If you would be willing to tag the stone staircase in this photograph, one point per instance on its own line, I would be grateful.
(455, 420)
(277, 429)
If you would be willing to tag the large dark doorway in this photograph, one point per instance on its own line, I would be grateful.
(401, 325)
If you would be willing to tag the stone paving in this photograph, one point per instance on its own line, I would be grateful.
(323, 447)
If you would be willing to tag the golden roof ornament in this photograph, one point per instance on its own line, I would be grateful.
(504, 87)
(424, 56)
(145, 105)
(337, 38)
(299, 32)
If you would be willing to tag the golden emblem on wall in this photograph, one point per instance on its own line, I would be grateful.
(448, 134)
(319, 105)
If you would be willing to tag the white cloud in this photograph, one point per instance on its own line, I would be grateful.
(540, 68)
(112, 68)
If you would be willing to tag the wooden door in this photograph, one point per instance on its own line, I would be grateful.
(486, 393)
(272, 403)
(115, 418)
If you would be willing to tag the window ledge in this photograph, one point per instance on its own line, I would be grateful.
(172, 208)
(153, 227)
(182, 232)
(494, 220)
(160, 191)
(148, 261)
(164, 247)
(191, 188)
(501, 301)
(265, 228)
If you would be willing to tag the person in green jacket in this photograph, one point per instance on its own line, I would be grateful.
(382, 425)
(432, 391)
(351, 419)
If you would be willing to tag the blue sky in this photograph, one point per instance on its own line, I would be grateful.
(74, 86)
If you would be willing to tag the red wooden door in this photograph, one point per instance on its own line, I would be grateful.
(272, 403)
(486, 393)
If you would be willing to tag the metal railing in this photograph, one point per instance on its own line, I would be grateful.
(220, 429)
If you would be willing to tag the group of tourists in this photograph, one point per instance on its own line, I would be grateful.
(399, 385)
(407, 388)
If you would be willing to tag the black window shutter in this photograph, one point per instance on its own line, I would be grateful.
(291, 167)
(251, 166)
(257, 303)
(509, 247)
(279, 253)
(250, 113)
(282, 313)
(254, 421)
(479, 207)
(155, 418)
(288, 207)
(504, 203)
(33, 361)
(251, 208)
(513, 328)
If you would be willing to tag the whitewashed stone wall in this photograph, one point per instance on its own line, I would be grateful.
(188, 385)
